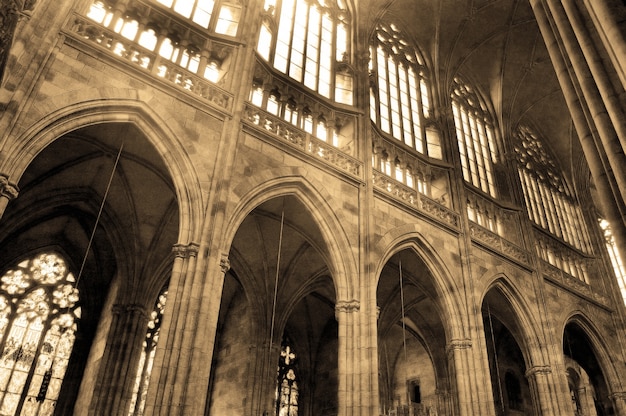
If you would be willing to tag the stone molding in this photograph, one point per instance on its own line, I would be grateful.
(224, 263)
(347, 306)
(538, 369)
(185, 251)
(458, 344)
(7, 190)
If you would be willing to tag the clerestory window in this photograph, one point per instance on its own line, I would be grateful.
(475, 136)
(146, 360)
(616, 259)
(309, 40)
(219, 16)
(400, 91)
(38, 315)
(549, 202)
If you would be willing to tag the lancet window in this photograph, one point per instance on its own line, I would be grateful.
(475, 136)
(549, 202)
(146, 360)
(309, 40)
(400, 103)
(38, 315)
(616, 259)
(287, 387)
(219, 16)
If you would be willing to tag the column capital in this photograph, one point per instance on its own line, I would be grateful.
(618, 395)
(458, 344)
(7, 189)
(185, 251)
(538, 369)
(224, 263)
(132, 308)
(346, 306)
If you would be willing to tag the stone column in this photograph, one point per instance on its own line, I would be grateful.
(8, 192)
(167, 385)
(619, 402)
(540, 381)
(118, 367)
(605, 178)
(472, 384)
(347, 361)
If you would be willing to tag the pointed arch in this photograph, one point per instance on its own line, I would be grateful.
(524, 317)
(599, 347)
(128, 108)
(409, 237)
(294, 182)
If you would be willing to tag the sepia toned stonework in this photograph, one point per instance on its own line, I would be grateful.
(312, 207)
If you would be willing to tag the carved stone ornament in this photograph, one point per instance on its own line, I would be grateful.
(185, 251)
(224, 263)
(346, 306)
(7, 189)
(538, 369)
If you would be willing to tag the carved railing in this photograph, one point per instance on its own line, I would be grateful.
(86, 30)
(565, 258)
(339, 120)
(499, 244)
(568, 267)
(411, 197)
(299, 139)
(435, 179)
(496, 226)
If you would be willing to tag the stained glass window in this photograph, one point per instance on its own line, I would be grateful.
(38, 314)
(287, 388)
(144, 369)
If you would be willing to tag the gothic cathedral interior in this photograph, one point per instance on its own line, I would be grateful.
(313, 207)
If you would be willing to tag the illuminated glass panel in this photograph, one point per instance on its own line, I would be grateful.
(616, 259)
(549, 203)
(38, 315)
(287, 387)
(310, 44)
(146, 360)
(475, 137)
(400, 95)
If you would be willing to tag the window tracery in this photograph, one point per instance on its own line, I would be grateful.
(146, 360)
(475, 136)
(400, 97)
(287, 390)
(549, 203)
(308, 40)
(38, 315)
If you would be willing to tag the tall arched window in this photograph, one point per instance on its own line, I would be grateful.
(400, 94)
(144, 369)
(549, 202)
(616, 259)
(309, 40)
(38, 314)
(220, 16)
(287, 387)
(475, 136)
